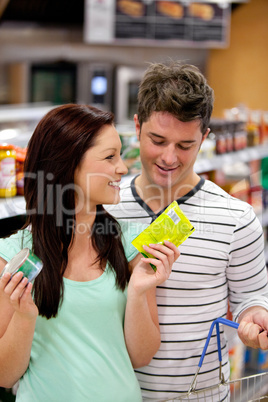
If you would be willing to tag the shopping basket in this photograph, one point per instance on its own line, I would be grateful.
(247, 389)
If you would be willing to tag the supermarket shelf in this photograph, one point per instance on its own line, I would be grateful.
(13, 206)
(24, 112)
(245, 155)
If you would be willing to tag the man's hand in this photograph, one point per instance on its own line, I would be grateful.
(253, 327)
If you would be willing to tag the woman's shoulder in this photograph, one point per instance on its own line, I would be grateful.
(130, 230)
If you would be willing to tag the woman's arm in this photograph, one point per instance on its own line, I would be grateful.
(142, 332)
(17, 323)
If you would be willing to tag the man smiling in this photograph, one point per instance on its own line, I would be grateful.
(221, 263)
(168, 150)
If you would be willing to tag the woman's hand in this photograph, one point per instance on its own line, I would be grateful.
(144, 277)
(18, 315)
(17, 292)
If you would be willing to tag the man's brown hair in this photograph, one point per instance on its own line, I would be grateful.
(176, 88)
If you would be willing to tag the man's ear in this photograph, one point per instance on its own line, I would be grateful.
(137, 126)
(205, 135)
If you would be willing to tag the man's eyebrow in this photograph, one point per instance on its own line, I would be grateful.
(164, 138)
(156, 135)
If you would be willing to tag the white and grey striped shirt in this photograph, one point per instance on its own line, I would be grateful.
(222, 261)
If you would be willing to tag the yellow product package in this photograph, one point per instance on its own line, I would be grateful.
(171, 225)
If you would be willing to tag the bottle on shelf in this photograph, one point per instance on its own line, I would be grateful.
(7, 171)
(252, 135)
(20, 158)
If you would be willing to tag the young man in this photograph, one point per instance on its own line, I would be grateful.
(221, 262)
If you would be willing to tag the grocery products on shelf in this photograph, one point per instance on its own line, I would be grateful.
(17, 123)
(256, 360)
(229, 136)
(20, 158)
(11, 170)
(7, 171)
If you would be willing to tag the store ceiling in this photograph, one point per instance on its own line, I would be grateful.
(47, 12)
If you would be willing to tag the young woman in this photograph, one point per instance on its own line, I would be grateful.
(90, 316)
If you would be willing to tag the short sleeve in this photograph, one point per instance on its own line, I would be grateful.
(11, 245)
(246, 271)
(130, 230)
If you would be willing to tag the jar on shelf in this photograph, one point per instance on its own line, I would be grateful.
(240, 136)
(252, 135)
(265, 126)
(229, 141)
(20, 158)
(221, 145)
(7, 171)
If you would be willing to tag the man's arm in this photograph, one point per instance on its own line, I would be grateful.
(247, 281)
(253, 327)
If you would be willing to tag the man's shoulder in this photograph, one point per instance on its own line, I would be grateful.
(214, 194)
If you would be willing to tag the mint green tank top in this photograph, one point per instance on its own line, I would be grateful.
(80, 355)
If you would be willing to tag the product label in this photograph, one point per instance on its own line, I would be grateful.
(172, 214)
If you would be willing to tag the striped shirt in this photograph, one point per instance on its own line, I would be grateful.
(222, 261)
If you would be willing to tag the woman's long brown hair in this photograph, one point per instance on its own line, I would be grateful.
(55, 150)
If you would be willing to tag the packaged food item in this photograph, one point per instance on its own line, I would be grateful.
(20, 159)
(265, 126)
(239, 135)
(170, 9)
(7, 171)
(171, 225)
(203, 11)
(24, 261)
(131, 7)
(252, 135)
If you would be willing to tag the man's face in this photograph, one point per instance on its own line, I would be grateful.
(168, 150)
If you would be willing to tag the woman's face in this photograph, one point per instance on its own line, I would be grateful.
(98, 176)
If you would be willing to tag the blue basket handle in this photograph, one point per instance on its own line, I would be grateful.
(216, 322)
